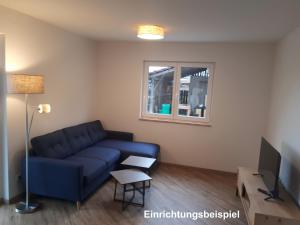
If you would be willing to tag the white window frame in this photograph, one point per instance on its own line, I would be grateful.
(174, 117)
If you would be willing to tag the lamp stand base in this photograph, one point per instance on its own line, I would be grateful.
(23, 209)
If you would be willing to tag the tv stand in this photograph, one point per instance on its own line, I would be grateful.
(258, 209)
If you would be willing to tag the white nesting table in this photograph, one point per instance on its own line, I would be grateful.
(130, 177)
(138, 161)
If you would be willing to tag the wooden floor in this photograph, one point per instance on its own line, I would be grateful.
(173, 188)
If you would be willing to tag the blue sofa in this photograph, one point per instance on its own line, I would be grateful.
(73, 162)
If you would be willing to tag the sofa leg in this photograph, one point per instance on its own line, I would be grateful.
(78, 205)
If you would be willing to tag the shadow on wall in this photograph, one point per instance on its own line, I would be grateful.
(290, 170)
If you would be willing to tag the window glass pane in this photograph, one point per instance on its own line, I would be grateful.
(160, 89)
(193, 89)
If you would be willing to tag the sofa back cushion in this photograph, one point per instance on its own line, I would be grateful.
(52, 145)
(78, 137)
(96, 131)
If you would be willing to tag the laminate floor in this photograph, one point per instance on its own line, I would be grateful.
(173, 188)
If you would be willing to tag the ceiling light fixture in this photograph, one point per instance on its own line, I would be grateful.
(150, 32)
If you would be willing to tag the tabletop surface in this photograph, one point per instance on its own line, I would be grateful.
(139, 161)
(129, 176)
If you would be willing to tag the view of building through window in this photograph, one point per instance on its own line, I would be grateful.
(160, 89)
(193, 91)
(177, 91)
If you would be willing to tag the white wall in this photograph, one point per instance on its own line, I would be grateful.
(2, 109)
(284, 117)
(68, 63)
(240, 100)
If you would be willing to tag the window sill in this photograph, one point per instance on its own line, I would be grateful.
(166, 120)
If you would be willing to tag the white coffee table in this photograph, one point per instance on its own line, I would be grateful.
(139, 162)
(130, 177)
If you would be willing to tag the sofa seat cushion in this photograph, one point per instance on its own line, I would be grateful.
(52, 145)
(92, 168)
(109, 155)
(131, 148)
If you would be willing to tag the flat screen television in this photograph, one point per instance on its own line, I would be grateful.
(268, 168)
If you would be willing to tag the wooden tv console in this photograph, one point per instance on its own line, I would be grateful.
(261, 212)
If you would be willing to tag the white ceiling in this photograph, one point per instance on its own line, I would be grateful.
(185, 20)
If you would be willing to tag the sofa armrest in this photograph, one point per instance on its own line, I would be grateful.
(119, 135)
(54, 177)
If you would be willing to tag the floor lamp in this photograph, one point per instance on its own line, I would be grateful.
(27, 84)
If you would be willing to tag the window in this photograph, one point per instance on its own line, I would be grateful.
(177, 92)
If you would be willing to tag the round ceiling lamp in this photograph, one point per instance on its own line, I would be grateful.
(150, 32)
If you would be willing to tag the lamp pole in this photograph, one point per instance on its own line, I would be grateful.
(26, 207)
(26, 149)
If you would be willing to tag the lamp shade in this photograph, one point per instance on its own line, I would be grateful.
(25, 84)
(44, 108)
(150, 32)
